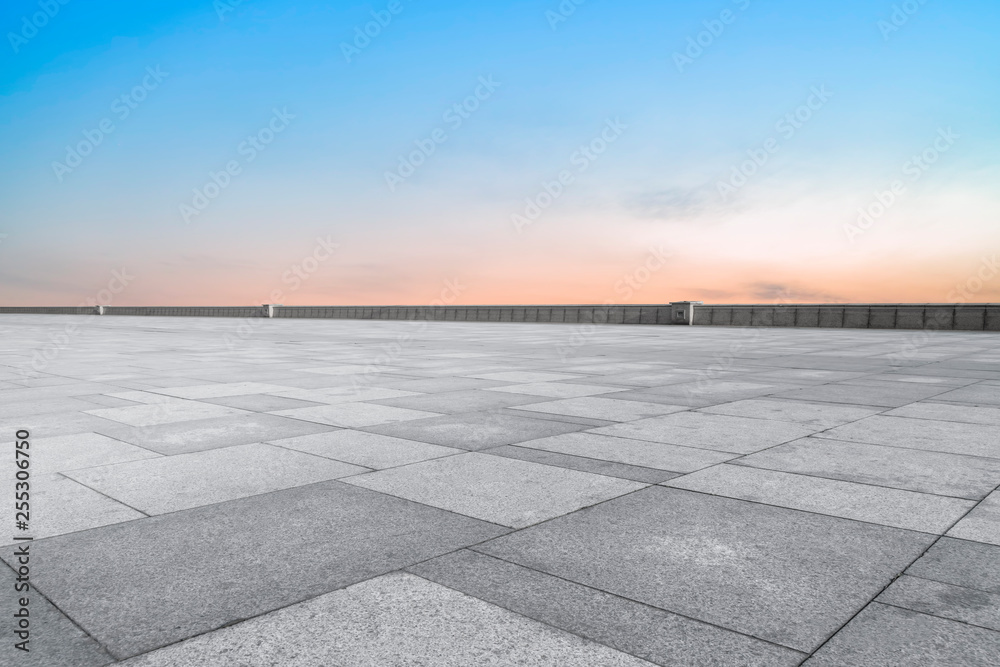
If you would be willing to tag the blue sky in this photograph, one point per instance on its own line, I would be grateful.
(792, 229)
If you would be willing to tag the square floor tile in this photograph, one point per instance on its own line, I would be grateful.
(945, 601)
(476, 430)
(781, 575)
(557, 389)
(723, 433)
(891, 395)
(354, 415)
(82, 450)
(819, 415)
(949, 412)
(885, 636)
(962, 563)
(454, 402)
(219, 390)
(607, 409)
(172, 483)
(631, 452)
(204, 434)
(506, 491)
(60, 505)
(416, 622)
(140, 585)
(177, 410)
(261, 402)
(912, 469)
(55, 641)
(982, 524)
(643, 631)
(527, 376)
(366, 449)
(861, 502)
(926, 434)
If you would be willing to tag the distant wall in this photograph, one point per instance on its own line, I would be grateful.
(188, 311)
(961, 317)
(47, 310)
(642, 314)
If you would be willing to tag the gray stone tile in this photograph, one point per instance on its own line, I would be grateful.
(26, 411)
(950, 413)
(261, 402)
(441, 384)
(607, 409)
(820, 415)
(176, 410)
(596, 466)
(723, 433)
(892, 395)
(968, 605)
(501, 490)
(104, 400)
(418, 623)
(982, 524)
(926, 434)
(354, 415)
(885, 636)
(649, 633)
(557, 389)
(344, 394)
(527, 376)
(979, 395)
(962, 563)
(781, 575)
(705, 391)
(915, 470)
(455, 402)
(60, 505)
(140, 585)
(370, 450)
(861, 502)
(217, 390)
(631, 452)
(82, 450)
(54, 641)
(197, 436)
(172, 483)
(476, 430)
(55, 424)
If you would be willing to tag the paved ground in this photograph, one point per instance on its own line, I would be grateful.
(309, 492)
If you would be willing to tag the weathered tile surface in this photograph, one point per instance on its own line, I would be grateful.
(506, 423)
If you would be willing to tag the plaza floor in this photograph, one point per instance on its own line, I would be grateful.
(342, 492)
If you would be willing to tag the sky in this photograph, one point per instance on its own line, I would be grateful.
(528, 151)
